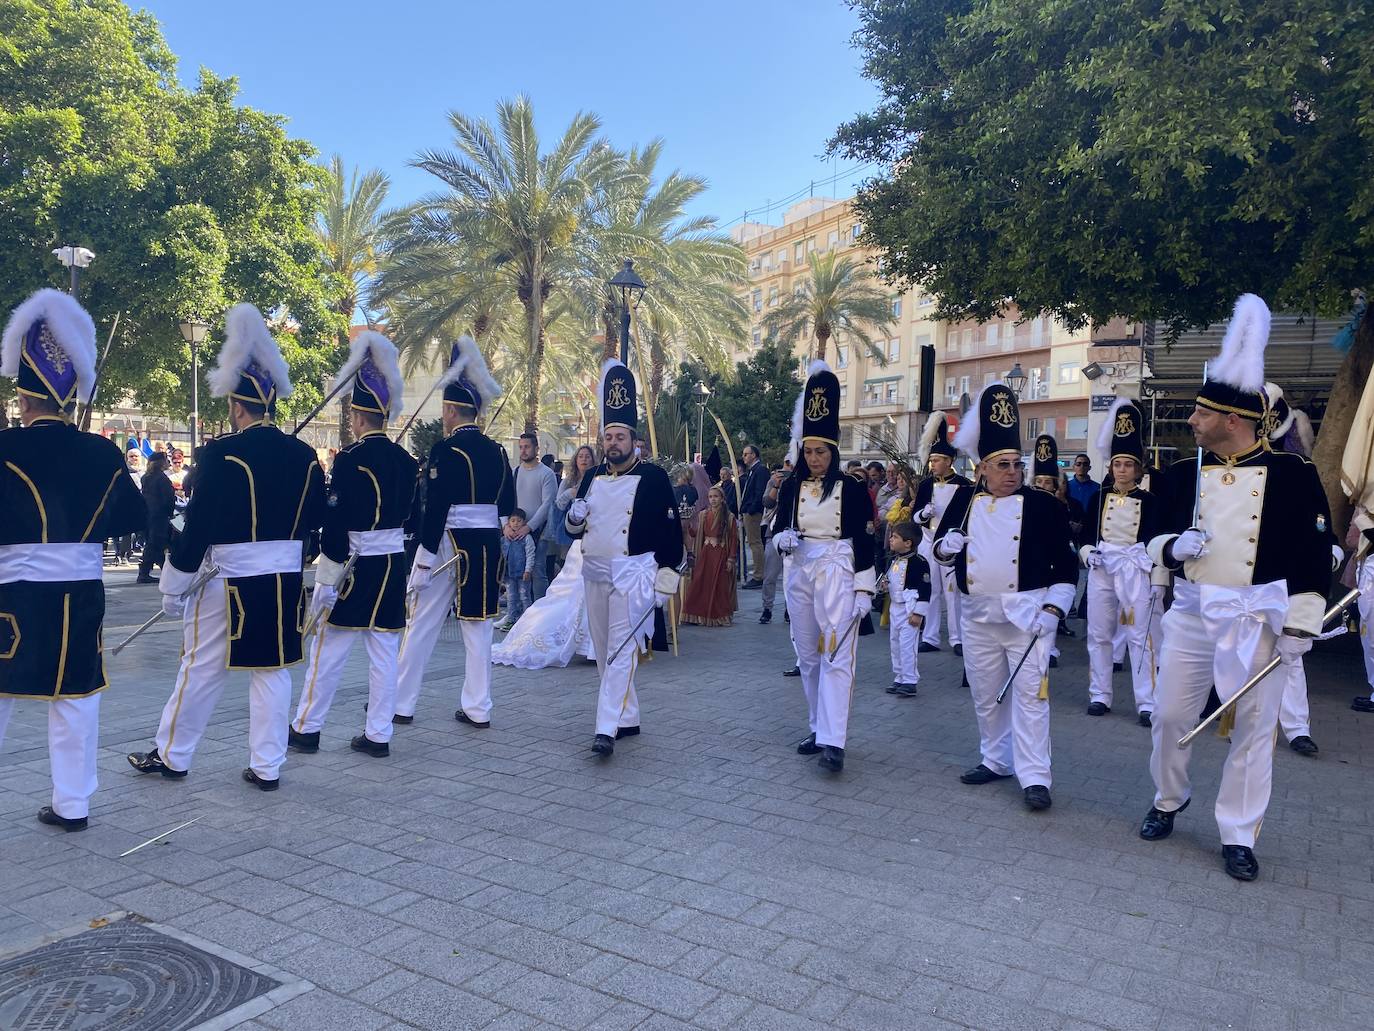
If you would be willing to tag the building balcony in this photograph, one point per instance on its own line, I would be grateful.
(882, 402)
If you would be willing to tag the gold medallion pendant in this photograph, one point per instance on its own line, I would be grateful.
(1228, 478)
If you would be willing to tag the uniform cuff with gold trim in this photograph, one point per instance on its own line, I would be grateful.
(1156, 549)
(174, 581)
(1305, 613)
(866, 580)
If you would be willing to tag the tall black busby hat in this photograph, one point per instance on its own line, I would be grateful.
(466, 382)
(1045, 457)
(934, 439)
(49, 348)
(1235, 378)
(250, 367)
(816, 415)
(1123, 431)
(992, 425)
(376, 370)
(617, 393)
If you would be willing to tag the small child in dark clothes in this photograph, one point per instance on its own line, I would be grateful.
(517, 550)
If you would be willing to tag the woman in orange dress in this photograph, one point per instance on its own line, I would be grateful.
(715, 543)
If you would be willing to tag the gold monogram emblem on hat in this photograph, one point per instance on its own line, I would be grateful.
(1269, 423)
(52, 351)
(1124, 424)
(1002, 413)
(617, 396)
(817, 407)
(1042, 451)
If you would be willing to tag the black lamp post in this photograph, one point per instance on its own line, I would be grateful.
(194, 331)
(1016, 379)
(701, 393)
(628, 289)
(75, 259)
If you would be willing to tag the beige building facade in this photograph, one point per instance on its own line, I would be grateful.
(878, 398)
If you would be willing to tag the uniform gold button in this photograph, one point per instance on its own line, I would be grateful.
(1252, 540)
(1254, 493)
(1248, 562)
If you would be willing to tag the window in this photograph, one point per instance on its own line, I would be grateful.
(754, 267)
(896, 307)
(782, 256)
(855, 231)
(842, 356)
(1050, 425)
(892, 386)
(1033, 428)
(1069, 372)
(757, 299)
(1077, 427)
(951, 388)
(767, 261)
(992, 334)
(925, 302)
(989, 378)
(772, 296)
(881, 264)
(846, 438)
(963, 385)
(799, 253)
(894, 350)
(919, 341)
(810, 244)
(833, 240)
(872, 393)
(758, 337)
(844, 394)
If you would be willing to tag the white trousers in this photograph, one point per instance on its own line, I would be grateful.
(73, 740)
(1185, 679)
(1014, 737)
(820, 601)
(422, 631)
(324, 669)
(944, 598)
(1294, 717)
(1104, 621)
(200, 681)
(609, 621)
(1365, 605)
(903, 640)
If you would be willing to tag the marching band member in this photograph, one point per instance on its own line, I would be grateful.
(469, 492)
(259, 494)
(909, 587)
(1013, 563)
(1046, 477)
(936, 455)
(63, 492)
(1123, 520)
(370, 495)
(1246, 528)
(625, 515)
(823, 521)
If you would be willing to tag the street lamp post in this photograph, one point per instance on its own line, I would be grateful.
(701, 393)
(628, 288)
(1016, 379)
(75, 258)
(194, 331)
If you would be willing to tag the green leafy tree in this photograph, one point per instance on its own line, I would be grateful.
(757, 401)
(1095, 159)
(837, 297)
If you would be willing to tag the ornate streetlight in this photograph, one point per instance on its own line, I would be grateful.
(628, 288)
(194, 330)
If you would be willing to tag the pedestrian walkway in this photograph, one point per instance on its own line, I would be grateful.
(707, 876)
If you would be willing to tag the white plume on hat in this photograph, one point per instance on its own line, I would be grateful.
(1241, 361)
(472, 366)
(794, 445)
(387, 359)
(247, 339)
(930, 431)
(1107, 430)
(71, 326)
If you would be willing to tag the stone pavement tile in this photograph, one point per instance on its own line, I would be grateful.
(265, 895)
(61, 907)
(658, 990)
(440, 917)
(620, 903)
(436, 1006)
(555, 1000)
(621, 1017)
(497, 976)
(723, 1012)
(330, 965)
(973, 1008)
(760, 981)
(323, 1011)
(638, 943)
(359, 858)
(598, 969)
(538, 911)
(705, 897)
(1099, 1007)
(550, 953)
(735, 936)
(697, 961)
(161, 902)
(440, 958)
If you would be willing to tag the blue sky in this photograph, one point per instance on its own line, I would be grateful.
(745, 93)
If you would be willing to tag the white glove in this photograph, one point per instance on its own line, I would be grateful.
(1157, 593)
(323, 598)
(1047, 624)
(419, 578)
(863, 604)
(951, 544)
(174, 606)
(577, 511)
(1292, 648)
(1093, 558)
(1190, 543)
(666, 582)
(925, 514)
(786, 541)
(1337, 557)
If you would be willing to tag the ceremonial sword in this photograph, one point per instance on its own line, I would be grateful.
(1007, 686)
(442, 568)
(644, 618)
(321, 614)
(160, 614)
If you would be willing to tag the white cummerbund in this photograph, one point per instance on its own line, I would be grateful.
(49, 563)
(377, 542)
(472, 517)
(256, 558)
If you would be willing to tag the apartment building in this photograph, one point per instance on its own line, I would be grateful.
(881, 398)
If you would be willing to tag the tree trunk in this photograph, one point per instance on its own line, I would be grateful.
(534, 313)
(822, 336)
(610, 326)
(1346, 390)
(345, 411)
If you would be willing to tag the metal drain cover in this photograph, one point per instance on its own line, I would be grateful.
(129, 975)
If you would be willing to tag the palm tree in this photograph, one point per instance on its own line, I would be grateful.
(348, 229)
(838, 296)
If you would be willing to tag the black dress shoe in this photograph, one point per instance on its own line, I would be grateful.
(151, 762)
(926, 646)
(1240, 862)
(906, 691)
(1098, 709)
(376, 749)
(1064, 629)
(1054, 662)
(766, 616)
(1038, 797)
(1364, 703)
(1117, 667)
(603, 746)
(963, 680)
(808, 746)
(626, 732)
(753, 585)
(1303, 745)
(980, 774)
(145, 580)
(1144, 719)
(398, 718)
(959, 650)
(1158, 824)
(892, 688)
(786, 616)
(261, 783)
(463, 717)
(46, 815)
(832, 758)
(795, 671)
(307, 743)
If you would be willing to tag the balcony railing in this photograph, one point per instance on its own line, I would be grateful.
(878, 402)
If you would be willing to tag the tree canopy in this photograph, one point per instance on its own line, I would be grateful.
(190, 201)
(1118, 157)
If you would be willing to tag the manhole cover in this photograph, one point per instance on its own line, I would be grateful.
(124, 976)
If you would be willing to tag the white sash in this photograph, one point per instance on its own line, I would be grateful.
(376, 542)
(472, 517)
(256, 558)
(50, 563)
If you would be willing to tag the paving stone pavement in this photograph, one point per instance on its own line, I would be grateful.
(707, 876)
